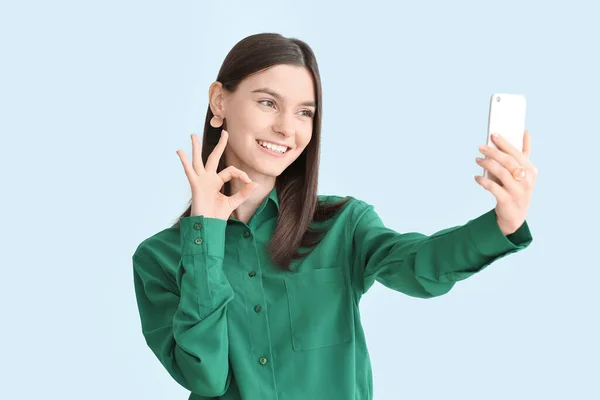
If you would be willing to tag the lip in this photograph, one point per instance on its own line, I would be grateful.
(270, 152)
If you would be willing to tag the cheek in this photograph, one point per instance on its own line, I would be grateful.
(303, 137)
(248, 119)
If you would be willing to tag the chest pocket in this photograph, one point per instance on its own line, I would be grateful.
(320, 308)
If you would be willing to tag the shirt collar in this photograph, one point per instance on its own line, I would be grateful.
(274, 197)
(267, 210)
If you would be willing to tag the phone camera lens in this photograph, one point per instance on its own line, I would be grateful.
(498, 98)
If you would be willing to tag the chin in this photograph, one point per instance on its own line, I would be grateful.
(271, 172)
(270, 167)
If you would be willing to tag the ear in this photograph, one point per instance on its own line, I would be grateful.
(216, 97)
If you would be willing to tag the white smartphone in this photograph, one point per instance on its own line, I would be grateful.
(506, 118)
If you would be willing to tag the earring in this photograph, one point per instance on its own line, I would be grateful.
(216, 121)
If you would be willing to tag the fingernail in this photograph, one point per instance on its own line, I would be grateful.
(482, 147)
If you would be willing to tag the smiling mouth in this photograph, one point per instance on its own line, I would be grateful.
(272, 147)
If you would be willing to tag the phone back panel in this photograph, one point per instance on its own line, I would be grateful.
(506, 118)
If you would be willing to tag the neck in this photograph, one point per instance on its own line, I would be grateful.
(247, 208)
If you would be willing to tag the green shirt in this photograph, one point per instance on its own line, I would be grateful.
(224, 321)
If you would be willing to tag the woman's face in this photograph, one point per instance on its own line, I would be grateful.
(269, 119)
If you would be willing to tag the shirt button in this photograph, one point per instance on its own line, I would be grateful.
(198, 240)
(262, 360)
(252, 274)
(246, 234)
(197, 226)
(257, 308)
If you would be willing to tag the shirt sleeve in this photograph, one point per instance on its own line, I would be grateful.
(426, 266)
(185, 325)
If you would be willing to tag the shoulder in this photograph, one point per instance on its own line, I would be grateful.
(156, 240)
(349, 206)
(158, 251)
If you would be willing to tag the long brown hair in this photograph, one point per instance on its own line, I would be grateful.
(297, 185)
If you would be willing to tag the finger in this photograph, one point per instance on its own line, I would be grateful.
(507, 161)
(502, 173)
(504, 144)
(506, 147)
(237, 199)
(232, 172)
(501, 195)
(189, 170)
(196, 154)
(213, 159)
(498, 155)
(527, 144)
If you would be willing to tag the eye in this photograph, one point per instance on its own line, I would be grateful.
(307, 113)
(268, 103)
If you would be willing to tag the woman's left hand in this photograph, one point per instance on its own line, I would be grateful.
(514, 195)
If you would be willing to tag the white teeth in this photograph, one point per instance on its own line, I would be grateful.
(273, 147)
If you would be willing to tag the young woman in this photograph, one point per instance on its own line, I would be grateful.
(254, 293)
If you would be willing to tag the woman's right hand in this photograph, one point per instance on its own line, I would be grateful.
(206, 183)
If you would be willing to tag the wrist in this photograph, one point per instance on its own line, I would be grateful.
(505, 228)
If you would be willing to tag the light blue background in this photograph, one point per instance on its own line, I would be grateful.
(96, 97)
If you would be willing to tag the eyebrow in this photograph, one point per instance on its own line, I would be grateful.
(280, 98)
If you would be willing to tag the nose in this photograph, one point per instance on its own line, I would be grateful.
(284, 126)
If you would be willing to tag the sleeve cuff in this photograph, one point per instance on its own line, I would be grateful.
(201, 235)
(489, 240)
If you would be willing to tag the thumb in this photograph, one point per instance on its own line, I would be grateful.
(241, 196)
